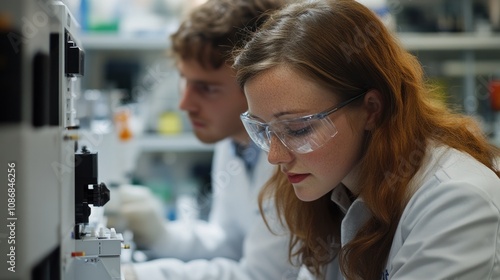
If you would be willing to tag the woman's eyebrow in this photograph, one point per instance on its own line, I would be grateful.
(276, 115)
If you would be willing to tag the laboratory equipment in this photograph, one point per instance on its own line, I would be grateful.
(47, 181)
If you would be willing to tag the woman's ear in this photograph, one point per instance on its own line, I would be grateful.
(373, 105)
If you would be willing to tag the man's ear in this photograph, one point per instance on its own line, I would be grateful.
(373, 105)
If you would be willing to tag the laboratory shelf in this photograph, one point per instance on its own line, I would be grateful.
(411, 41)
(456, 68)
(184, 142)
(449, 41)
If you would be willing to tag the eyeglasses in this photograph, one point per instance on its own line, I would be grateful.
(301, 135)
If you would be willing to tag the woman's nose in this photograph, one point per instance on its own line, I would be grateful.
(278, 152)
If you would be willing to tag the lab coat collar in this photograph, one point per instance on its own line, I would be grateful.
(340, 196)
(356, 213)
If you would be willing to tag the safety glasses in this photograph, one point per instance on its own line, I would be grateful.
(301, 135)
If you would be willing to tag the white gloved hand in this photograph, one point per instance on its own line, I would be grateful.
(143, 213)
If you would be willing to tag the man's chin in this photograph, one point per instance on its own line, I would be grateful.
(205, 138)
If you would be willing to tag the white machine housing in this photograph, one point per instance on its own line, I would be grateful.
(41, 62)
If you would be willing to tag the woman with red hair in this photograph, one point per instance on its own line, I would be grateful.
(377, 179)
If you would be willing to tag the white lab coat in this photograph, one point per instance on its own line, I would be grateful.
(450, 229)
(234, 244)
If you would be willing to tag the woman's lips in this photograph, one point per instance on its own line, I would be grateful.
(296, 178)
